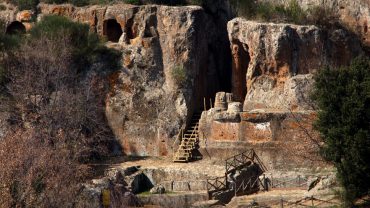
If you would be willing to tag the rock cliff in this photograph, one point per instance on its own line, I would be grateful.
(355, 14)
(273, 63)
(272, 75)
(172, 58)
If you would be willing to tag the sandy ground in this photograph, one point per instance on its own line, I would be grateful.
(287, 197)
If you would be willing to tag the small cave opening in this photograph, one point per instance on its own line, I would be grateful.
(112, 30)
(130, 34)
(15, 28)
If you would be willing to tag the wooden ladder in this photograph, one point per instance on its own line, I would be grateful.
(189, 142)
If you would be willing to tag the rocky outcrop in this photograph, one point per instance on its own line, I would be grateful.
(273, 63)
(172, 58)
(355, 15)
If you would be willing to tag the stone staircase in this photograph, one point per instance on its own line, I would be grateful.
(189, 142)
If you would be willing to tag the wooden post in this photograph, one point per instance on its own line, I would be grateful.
(272, 181)
(281, 203)
(204, 104)
(210, 102)
(265, 183)
(312, 201)
(106, 198)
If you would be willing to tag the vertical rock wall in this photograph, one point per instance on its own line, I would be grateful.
(278, 61)
(173, 57)
(355, 14)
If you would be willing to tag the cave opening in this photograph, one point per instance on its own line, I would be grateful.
(129, 31)
(15, 28)
(112, 30)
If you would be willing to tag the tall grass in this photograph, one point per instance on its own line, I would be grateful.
(290, 13)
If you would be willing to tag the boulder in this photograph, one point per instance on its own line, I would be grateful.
(159, 189)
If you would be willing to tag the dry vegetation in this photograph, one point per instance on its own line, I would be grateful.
(57, 120)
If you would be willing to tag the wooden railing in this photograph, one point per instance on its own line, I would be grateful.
(216, 184)
(298, 182)
(231, 164)
(249, 184)
(310, 202)
(178, 138)
(195, 130)
(304, 202)
(241, 159)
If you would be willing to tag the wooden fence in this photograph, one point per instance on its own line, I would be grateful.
(298, 182)
(301, 203)
(241, 159)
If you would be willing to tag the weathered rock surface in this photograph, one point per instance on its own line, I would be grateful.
(354, 14)
(114, 185)
(281, 138)
(273, 63)
(147, 104)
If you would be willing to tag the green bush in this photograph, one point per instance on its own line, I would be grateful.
(2, 7)
(291, 13)
(85, 42)
(7, 44)
(179, 75)
(322, 16)
(25, 4)
(295, 13)
(343, 98)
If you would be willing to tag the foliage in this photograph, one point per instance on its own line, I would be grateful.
(57, 114)
(291, 13)
(7, 44)
(25, 4)
(179, 75)
(31, 4)
(87, 46)
(322, 16)
(343, 97)
(33, 174)
(2, 7)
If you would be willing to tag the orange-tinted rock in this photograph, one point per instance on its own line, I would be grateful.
(25, 16)
(224, 131)
(278, 61)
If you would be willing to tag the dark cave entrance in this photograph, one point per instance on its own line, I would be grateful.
(15, 28)
(130, 34)
(112, 30)
(215, 75)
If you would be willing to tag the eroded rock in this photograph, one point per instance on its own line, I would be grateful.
(273, 63)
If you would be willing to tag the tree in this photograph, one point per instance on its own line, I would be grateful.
(57, 115)
(343, 98)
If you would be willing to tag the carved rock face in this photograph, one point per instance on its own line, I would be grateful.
(278, 60)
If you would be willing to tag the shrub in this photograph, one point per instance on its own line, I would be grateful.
(244, 8)
(86, 45)
(136, 2)
(292, 12)
(25, 4)
(179, 75)
(322, 16)
(343, 98)
(295, 13)
(2, 7)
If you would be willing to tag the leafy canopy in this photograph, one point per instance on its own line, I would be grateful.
(343, 97)
(87, 47)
